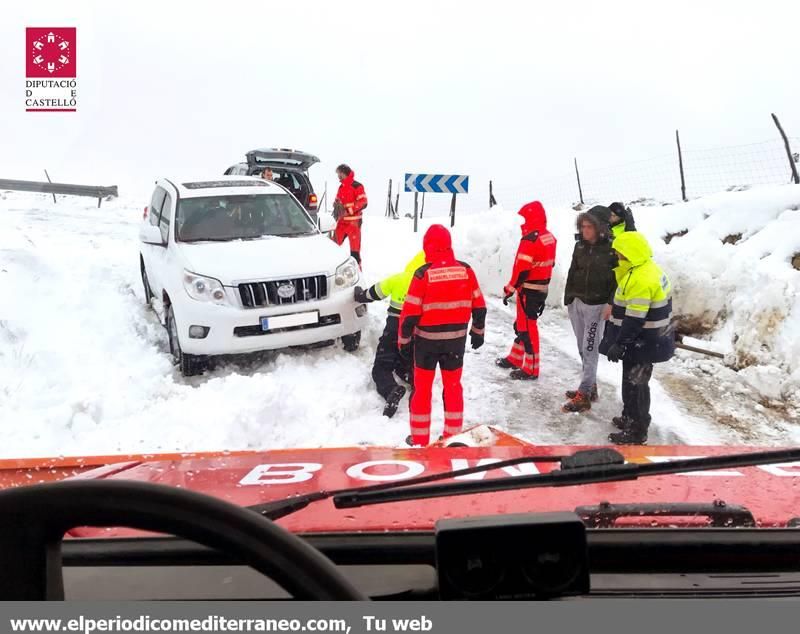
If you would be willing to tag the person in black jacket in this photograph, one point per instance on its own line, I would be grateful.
(588, 295)
(621, 219)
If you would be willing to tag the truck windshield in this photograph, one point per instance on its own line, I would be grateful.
(223, 218)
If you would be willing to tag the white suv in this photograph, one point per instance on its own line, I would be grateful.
(240, 267)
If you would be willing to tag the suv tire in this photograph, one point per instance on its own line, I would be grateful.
(351, 342)
(189, 364)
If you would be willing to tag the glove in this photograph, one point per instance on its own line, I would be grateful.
(540, 309)
(405, 352)
(615, 353)
(476, 340)
(360, 295)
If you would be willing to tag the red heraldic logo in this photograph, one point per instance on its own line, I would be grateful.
(51, 56)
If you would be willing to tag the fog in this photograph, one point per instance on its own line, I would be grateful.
(504, 90)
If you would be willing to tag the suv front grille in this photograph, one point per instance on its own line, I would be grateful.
(276, 292)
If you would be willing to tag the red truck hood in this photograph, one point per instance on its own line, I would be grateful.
(245, 478)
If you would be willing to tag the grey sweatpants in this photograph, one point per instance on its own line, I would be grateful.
(588, 325)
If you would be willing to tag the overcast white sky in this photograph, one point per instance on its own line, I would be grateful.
(508, 90)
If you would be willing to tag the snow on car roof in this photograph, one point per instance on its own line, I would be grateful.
(213, 184)
(217, 185)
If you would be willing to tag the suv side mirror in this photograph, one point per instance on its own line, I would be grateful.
(151, 235)
(326, 222)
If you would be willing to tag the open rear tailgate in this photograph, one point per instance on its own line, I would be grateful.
(281, 158)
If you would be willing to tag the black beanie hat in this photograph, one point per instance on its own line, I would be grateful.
(618, 208)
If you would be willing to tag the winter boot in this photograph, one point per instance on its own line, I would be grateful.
(621, 422)
(578, 403)
(504, 363)
(570, 394)
(410, 442)
(629, 436)
(519, 375)
(393, 400)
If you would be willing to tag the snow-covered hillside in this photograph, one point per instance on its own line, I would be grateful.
(84, 367)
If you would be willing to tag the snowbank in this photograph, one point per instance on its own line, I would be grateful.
(733, 274)
(730, 260)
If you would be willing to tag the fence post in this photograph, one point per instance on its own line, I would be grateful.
(577, 173)
(397, 203)
(492, 201)
(389, 200)
(680, 165)
(453, 211)
(49, 181)
(792, 164)
(422, 206)
(416, 211)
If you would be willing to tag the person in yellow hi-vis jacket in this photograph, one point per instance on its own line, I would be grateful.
(388, 359)
(639, 331)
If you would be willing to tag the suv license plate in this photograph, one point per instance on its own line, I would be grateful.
(287, 321)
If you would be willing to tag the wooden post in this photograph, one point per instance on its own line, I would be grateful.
(389, 201)
(680, 165)
(453, 211)
(49, 181)
(792, 164)
(416, 211)
(577, 173)
(422, 206)
(492, 201)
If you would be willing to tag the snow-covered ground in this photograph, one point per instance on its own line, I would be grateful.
(84, 367)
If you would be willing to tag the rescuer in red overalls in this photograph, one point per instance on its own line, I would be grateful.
(350, 201)
(530, 279)
(443, 296)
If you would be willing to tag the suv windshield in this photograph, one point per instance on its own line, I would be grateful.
(222, 218)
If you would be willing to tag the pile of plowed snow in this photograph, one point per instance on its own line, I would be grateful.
(730, 260)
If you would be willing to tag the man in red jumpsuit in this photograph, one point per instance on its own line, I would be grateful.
(444, 294)
(350, 201)
(530, 279)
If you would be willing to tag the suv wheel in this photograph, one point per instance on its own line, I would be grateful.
(189, 364)
(148, 293)
(351, 342)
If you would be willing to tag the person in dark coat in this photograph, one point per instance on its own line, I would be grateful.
(588, 295)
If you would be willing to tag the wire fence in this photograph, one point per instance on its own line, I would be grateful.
(706, 171)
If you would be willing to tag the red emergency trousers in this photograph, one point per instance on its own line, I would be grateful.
(533, 268)
(353, 198)
(441, 300)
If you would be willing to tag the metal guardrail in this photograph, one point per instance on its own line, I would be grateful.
(92, 191)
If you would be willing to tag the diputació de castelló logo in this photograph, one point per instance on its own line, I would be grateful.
(51, 63)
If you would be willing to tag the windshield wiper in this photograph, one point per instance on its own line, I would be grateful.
(209, 240)
(280, 508)
(606, 471)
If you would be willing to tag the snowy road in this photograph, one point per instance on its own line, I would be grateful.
(84, 367)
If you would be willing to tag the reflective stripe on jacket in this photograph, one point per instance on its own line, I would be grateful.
(440, 302)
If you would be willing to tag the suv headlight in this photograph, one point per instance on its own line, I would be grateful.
(204, 289)
(346, 274)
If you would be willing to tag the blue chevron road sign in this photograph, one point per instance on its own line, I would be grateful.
(437, 183)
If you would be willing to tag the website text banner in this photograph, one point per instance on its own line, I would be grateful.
(597, 616)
